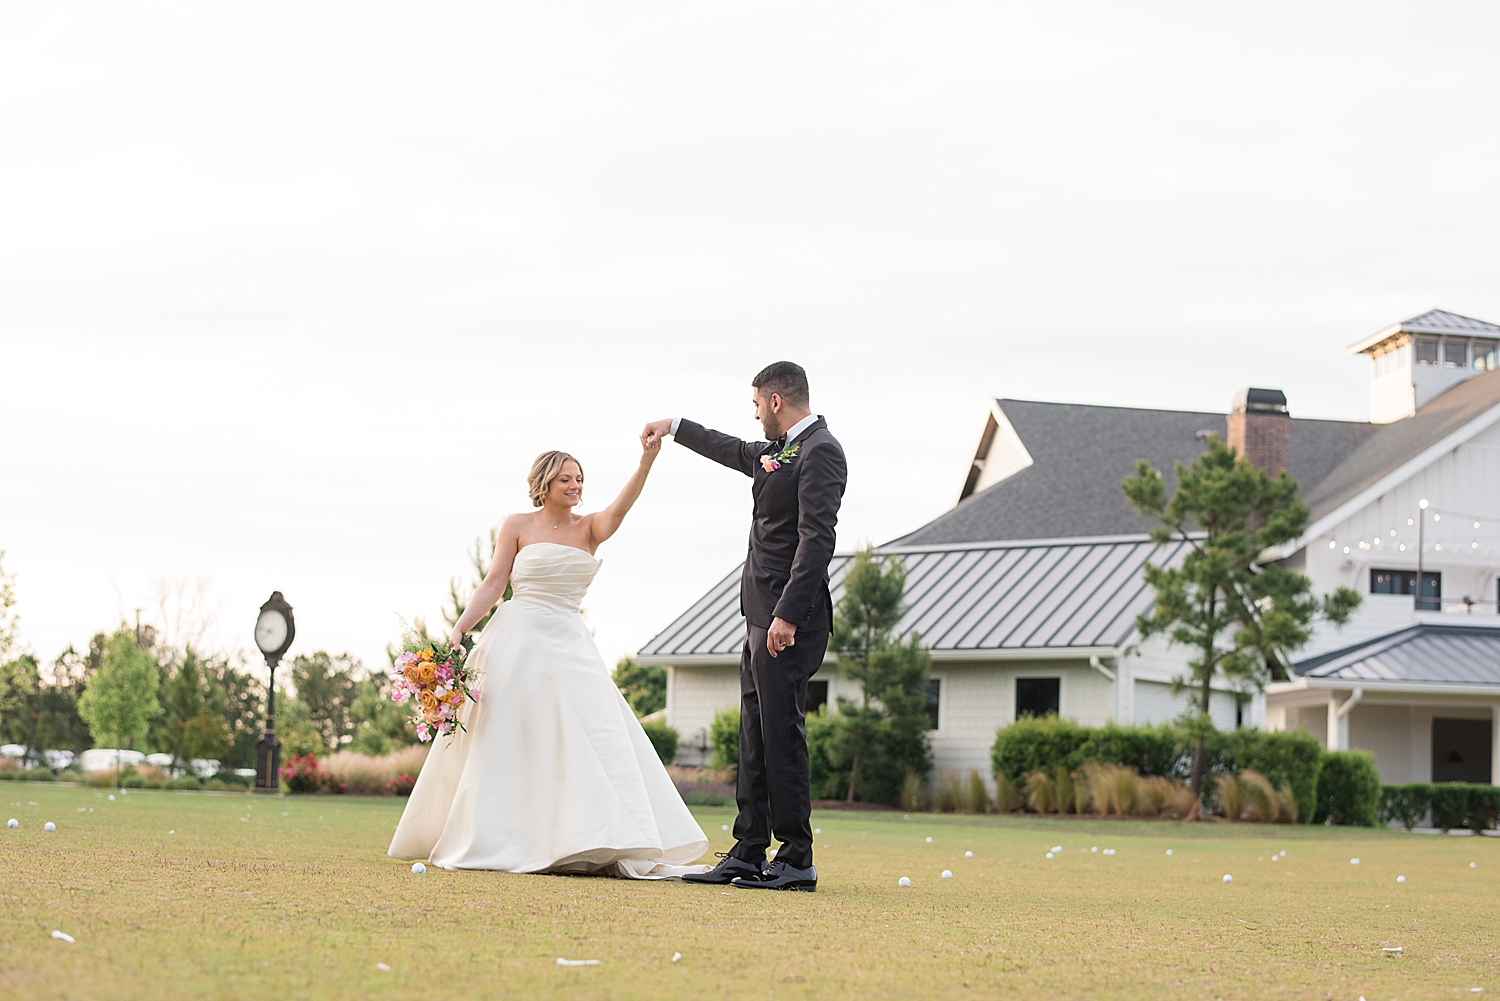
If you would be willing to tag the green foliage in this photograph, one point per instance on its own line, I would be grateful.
(1033, 744)
(1242, 616)
(724, 736)
(663, 739)
(380, 725)
(326, 686)
(191, 724)
(1348, 789)
(1043, 745)
(828, 782)
(9, 630)
(1406, 804)
(1453, 804)
(295, 729)
(1291, 756)
(884, 735)
(183, 782)
(120, 701)
(645, 688)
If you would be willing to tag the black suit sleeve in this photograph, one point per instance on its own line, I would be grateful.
(720, 447)
(820, 491)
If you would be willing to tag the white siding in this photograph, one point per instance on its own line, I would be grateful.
(1155, 703)
(1464, 480)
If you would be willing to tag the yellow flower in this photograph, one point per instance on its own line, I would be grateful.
(413, 673)
(427, 654)
(426, 673)
(429, 702)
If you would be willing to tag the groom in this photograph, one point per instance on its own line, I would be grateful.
(799, 474)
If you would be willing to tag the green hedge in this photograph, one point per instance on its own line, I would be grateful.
(1040, 745)
(663, 739)
(1348, 789)
(1453, 805)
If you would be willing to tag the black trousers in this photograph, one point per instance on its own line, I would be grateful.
(774, 788)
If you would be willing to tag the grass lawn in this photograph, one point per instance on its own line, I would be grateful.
(295, 897)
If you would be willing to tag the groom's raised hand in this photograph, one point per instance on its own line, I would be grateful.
(655, 431)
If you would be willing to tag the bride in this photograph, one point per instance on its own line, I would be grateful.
(554, 773)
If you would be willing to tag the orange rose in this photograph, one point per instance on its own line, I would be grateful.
(426, 673)
(412, 672)
(428, 701)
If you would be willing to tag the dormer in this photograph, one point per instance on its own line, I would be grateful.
(1415, 360)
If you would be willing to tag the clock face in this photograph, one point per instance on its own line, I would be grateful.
(270, 631)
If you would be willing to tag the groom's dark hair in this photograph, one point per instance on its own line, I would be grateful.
(784, 378)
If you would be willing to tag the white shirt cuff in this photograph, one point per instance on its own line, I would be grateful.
(675, 421)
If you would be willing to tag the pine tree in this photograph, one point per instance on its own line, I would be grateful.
(884, 734)
(1241, 612)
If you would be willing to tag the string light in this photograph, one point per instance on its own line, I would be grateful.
(1346, 550)
(1393, 533)
(1333, 544)
(1403, 547)
(1409, 521)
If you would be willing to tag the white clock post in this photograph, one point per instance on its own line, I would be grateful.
(274, 631)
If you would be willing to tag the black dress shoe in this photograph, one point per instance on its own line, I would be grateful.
(728, 868)
(780, 876)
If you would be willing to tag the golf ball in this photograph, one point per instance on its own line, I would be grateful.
(903, 881)
(817, 830)
(1354, 861)
(929, 841)
(1050, 855)
(1473, 865)
(968, 854)
(723, 827)
(1400, 879)
(111, 797)
(1169, 851)
(49, 827)
(1228, 878)
(947, 873)
(13, 822)
(418, 868)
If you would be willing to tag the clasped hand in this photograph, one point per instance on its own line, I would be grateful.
(781, 635)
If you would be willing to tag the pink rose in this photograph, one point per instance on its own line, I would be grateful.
(769, 464)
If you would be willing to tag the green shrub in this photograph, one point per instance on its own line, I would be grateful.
(1292, 756)
(215, 784)
(914, 792)
(133, 781)
(184, 782)
(663, 739)
(1032, 745)
(1348, 789)
(822, 733)
(38, 774)
(233, 781)
(724, 735)
(1458, 804)
(1406, 804)
(1150, 750)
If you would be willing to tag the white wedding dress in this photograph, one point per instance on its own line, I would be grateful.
(554, 773)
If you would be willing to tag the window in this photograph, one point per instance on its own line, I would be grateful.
(934, 693)
(1038, 696)
(817, 696)
(1461, 750)
(1405, 582)
(1427, 350)
(1455, 354)
(1486, 355)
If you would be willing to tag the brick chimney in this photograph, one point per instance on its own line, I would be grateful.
(1260, 428)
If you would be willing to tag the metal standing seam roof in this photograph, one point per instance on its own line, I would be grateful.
(1075, 593)
(1428, 653)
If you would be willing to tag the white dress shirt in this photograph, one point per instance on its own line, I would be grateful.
(791, 434)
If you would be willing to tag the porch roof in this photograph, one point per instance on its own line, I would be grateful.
(1426, 653)
(1044, 598)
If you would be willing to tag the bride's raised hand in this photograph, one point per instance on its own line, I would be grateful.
(455, 639)
(650, 447)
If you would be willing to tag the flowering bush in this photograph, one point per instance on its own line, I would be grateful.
(301, 774)
(401, 785)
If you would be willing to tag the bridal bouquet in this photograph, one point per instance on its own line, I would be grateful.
(434, 677)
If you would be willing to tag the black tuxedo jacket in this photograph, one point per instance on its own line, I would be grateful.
(791, 536)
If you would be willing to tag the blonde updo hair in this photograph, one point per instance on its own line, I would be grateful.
(543, 471)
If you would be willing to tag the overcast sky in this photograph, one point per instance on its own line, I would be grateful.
(292, 293)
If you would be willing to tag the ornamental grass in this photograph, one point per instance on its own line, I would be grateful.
(1041, 793)
(978, 798)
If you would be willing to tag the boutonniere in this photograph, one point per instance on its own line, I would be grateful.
(771, 463)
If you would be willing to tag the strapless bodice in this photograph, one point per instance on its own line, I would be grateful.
(551, 575)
